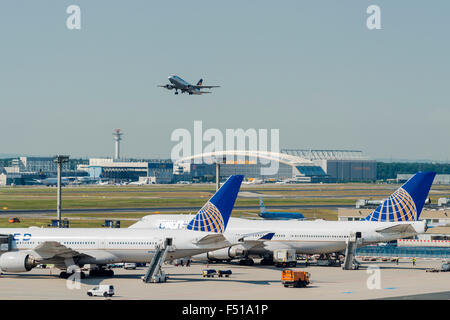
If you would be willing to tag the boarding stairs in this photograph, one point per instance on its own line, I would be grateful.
(154, 273)
(354, 240)
(5, 243)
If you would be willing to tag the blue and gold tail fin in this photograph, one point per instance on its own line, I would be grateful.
(407, 202)
(214, 215)
(200, 82)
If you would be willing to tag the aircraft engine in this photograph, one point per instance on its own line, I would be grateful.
(169, 86)
(17, 262)
(222, 254)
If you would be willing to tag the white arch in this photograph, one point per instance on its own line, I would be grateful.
(273, 156)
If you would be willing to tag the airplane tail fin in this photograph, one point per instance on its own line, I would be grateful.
(214, 215)
(200, 82)
(407, 202)
(262, 207)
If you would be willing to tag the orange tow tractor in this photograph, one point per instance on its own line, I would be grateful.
(14, 220)
(295, 279)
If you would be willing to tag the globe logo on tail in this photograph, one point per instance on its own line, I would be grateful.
(207, 219)
(398, 207)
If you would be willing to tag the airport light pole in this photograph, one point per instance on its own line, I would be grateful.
(59, 160)
(218, 163)
(217, 175)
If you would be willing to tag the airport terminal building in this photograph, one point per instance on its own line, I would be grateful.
(294, 165)
(27, 170)
(289, 165)
(161, 171)
(340, 165)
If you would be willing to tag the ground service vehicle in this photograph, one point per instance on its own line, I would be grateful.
(209, 273)
(291, 278)
(14, 220)
(105, 290)
(285, 258)
(224, 273)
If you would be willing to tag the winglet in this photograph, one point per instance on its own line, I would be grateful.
(407, 202)
(200, 82)
(214, 215)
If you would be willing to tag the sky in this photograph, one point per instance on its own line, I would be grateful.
(311, 69)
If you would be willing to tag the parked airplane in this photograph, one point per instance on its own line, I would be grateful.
(52, 181)
(253, 181)
(179, 84)
(397, 217)
(76, 247)
(263, 213)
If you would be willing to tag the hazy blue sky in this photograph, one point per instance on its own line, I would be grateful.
(309, 68)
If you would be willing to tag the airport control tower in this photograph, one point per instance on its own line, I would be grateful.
(117, 137)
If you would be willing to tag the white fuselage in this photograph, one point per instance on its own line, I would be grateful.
(182, 85)
(100, 246)
(306, 237)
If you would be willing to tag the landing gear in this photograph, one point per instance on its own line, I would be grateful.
(266, 262)
(176, 92)
(101, 273)
(66, 275)
(291, 264)
(246, 262)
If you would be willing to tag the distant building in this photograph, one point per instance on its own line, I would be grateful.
(252, 168)
(161, 170)
(340, 165)
(18, 178)
(29, 170)
(40, 164)
(194, 172)
(294, 165)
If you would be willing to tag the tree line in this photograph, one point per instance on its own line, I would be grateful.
(390, 170)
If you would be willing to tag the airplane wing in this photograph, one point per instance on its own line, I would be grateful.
(399, 228)
(53, 249)
(256, 240)
(258, 236)
(205, 87)
(210, 239)
(203, 92)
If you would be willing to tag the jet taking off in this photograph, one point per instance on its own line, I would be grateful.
(179, 84)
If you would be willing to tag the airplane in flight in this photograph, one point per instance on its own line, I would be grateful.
(75, 247)
(397, 217)
(176, 83)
